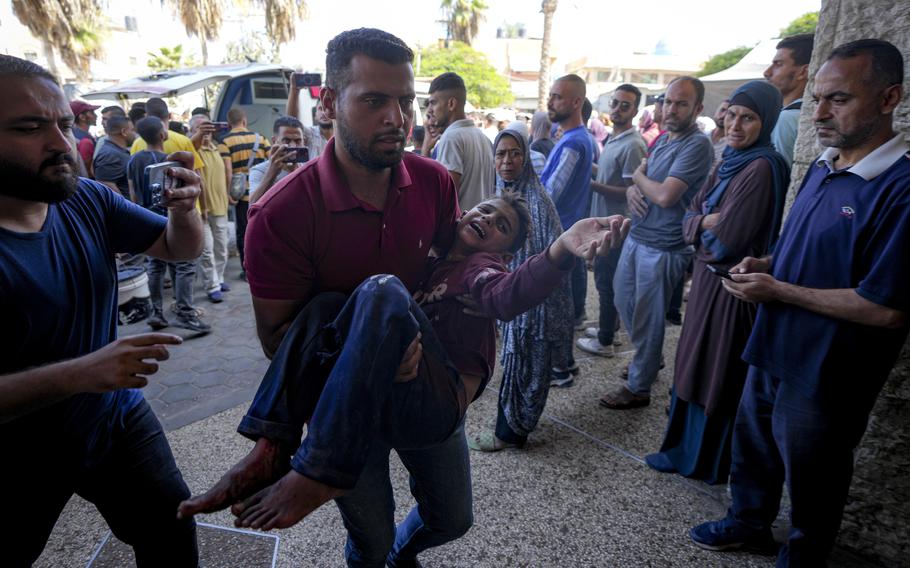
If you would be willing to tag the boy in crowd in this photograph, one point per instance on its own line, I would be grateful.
(336, 368)
(153, 133)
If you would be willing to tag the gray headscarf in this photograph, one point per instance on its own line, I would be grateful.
(540, 125)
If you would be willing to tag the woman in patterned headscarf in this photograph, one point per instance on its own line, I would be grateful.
(541, 338)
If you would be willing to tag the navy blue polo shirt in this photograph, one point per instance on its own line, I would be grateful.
(847, 229)
(58, 297)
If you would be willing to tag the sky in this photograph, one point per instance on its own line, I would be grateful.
(694, 29)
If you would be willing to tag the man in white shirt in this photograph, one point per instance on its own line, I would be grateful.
(463, 148)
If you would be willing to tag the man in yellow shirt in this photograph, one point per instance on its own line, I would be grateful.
(215, 221)
(243, 149)
(175, 142)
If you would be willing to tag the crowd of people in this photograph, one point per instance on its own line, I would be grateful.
(379, 278)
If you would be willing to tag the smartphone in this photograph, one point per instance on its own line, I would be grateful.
(302, 80)
(221, 126)
(298, 155)
(160, 181)
(719, 271)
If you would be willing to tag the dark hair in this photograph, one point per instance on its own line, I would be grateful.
(10, 65)
(520, 205)
(138, 104)
(200, 110)
(587, 109)
(287, 122)
(800, 46)
(176, 126)
(150, 129)
(114, 109)
(696, 82)
(887, 61)
(115, 124)
(235, 116)
(417, 134)
(136, 113)
(450, 81)
(158, 108)
(373, 43)
(630, 89)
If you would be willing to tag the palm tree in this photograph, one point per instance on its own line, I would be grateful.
(68, 27)
(169, 58)
(281, 18)
(462, 18)
(548, 7)
(201, 18)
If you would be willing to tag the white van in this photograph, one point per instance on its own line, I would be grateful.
(261, 90)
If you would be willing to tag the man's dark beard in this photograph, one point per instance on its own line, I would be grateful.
(376, 161)
(16, 181)
(558, 117)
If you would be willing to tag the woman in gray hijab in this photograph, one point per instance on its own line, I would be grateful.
(541, 338)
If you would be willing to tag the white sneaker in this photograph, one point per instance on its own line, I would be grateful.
(594, 331)
(593, 346)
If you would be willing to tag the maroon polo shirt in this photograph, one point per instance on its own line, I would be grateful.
(309, 234)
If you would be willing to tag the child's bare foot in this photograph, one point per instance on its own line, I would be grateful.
(265, 463)
(283, 504)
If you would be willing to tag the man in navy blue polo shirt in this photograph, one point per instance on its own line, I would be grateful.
(833, 316)
(72, 419)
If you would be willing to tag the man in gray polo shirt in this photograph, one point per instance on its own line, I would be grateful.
(621, 156)
(655, 254)
(463, 148)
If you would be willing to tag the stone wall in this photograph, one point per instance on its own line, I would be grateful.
(877, 518)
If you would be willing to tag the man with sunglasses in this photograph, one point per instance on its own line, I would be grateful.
(621, 156)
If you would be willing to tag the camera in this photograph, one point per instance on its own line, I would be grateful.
(303, 80)
(159, 181)
(221, 126)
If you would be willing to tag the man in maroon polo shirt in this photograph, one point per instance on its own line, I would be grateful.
(363, 208)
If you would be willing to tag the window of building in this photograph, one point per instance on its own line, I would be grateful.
(603, 76)
(643, 77)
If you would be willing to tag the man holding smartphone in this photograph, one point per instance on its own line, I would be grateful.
(287, 153)
(72, 420)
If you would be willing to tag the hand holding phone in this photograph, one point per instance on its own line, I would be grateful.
(160, 181)
(719, 271)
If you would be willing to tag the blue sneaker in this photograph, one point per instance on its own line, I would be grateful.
(727, 534)
(225, 287)
(216, 297)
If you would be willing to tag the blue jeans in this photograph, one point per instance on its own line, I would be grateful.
(644, 282)
(335, 369)
(184, 275)
(604, 271)
(782, 435)
(127, 471)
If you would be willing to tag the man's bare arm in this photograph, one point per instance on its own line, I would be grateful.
(273, 318)
(118, 365)
(456, 177)
(663, 194)
(840, 303)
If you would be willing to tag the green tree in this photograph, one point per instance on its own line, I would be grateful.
(170, 58)
(202, 19)
(548, 7)
(251, 47)
(462, 18)
(723, 60)
(281, 17)
(71, 28)
(801, 25)
(486, 87)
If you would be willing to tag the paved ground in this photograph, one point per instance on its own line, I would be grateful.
(579, 495)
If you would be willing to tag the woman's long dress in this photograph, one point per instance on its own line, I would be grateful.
(710, 374)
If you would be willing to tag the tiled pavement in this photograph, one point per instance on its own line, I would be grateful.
(578, 496)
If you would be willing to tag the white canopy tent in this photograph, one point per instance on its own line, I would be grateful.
(719, 86)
